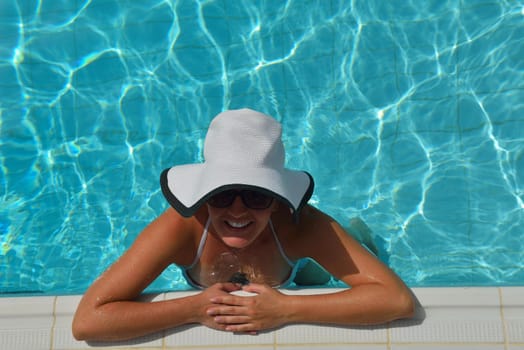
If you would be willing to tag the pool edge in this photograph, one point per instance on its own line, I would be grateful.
(460, 317)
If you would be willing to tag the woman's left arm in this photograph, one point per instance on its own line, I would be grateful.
(377, 294)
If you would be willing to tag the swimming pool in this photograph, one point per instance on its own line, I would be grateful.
(408, 114)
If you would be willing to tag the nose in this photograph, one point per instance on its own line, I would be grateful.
(237, 208)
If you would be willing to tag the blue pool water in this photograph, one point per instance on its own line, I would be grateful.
(409, 114)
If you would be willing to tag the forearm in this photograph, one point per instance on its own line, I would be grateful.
(130, 319)
(371, 304)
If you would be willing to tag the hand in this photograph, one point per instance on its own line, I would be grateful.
(249, 314)
(217, 290)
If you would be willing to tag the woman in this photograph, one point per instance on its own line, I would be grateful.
(240, 223)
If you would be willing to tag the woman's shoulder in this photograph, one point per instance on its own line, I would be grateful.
(297, 235)
(311, 217)
(173, 232)
(308, 217)
(171, 222)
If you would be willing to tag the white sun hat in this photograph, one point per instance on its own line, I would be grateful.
(243, 149)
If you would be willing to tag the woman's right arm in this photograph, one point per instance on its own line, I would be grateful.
(109, 309)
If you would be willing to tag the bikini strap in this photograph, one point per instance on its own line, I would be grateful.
(201, 244)
(279, 246)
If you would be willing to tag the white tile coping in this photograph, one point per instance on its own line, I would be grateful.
(450, 318)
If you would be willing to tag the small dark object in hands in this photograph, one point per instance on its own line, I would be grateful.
(239, 278)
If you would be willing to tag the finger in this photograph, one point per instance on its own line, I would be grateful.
(228, 287)
(231, 287)
(228, 300)
(231, 320)
(246, 328)
(254, 288)
(223, 311)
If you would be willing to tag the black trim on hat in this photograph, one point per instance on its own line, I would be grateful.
(306, 197)
(172, 200)
(190, 211)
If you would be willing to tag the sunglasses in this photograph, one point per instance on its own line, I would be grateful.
(251, 199)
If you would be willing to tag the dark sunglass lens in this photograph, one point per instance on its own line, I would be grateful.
(222, 199)
(256, 200)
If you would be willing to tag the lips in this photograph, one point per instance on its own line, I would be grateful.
(237, 233)
(238, 224)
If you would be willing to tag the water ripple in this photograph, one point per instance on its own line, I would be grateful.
(408, 114)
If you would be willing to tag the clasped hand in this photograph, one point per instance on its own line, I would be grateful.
(264, 309)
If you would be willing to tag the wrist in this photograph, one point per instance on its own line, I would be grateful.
(289, 308)
(197, 308)
(189, 309)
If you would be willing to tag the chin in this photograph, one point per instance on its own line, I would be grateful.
(236, 242)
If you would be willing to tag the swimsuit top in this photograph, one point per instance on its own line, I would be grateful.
(295, 266)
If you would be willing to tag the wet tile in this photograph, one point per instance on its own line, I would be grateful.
(513, 309)
(453, 315)
(334, 347)
(200, 336)
(313, 334)
(449, 347)
(453, 318)
(26, 323)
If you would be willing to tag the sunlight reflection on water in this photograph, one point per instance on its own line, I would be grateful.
(408, 115)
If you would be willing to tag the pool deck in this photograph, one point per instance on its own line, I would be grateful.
(450, 318)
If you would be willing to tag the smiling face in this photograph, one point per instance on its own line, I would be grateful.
(237, 225)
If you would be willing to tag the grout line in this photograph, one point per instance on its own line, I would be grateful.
(342, 343)
(503, 320)
(450, 343)
(164, 332)
(53, 325)
(388, 336)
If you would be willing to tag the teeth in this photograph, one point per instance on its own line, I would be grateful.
(238, 224)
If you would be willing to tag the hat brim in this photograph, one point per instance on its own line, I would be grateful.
(187, 187)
